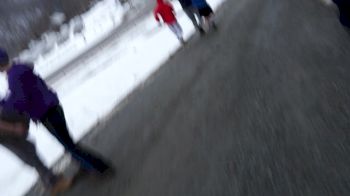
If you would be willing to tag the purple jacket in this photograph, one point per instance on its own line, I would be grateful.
(29, 94)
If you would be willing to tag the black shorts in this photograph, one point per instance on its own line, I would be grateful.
(205, 11)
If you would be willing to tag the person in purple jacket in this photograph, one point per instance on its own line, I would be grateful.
(31, 97)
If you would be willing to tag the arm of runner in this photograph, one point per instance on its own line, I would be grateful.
(156, 15)
(14, 129)
(19, 89)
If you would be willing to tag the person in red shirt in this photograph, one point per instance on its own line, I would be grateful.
(165, 11)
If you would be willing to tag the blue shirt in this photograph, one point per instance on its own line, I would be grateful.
(199, 3)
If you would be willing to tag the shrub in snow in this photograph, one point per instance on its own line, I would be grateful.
(57, 18)
(77, 24)
(63, 35)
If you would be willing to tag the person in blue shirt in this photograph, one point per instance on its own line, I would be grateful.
(192, 14)
(205, 11)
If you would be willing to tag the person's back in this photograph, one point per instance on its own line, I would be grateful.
(166, 11)
(28, 92)
(199, 3)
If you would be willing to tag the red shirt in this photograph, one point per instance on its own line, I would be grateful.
(164, 10)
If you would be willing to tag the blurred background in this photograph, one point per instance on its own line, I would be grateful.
(24, 20)
(259, 107)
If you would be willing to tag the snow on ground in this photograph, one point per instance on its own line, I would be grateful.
(98, 23)
(90, 93)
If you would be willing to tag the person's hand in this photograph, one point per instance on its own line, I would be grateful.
(20, 129)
